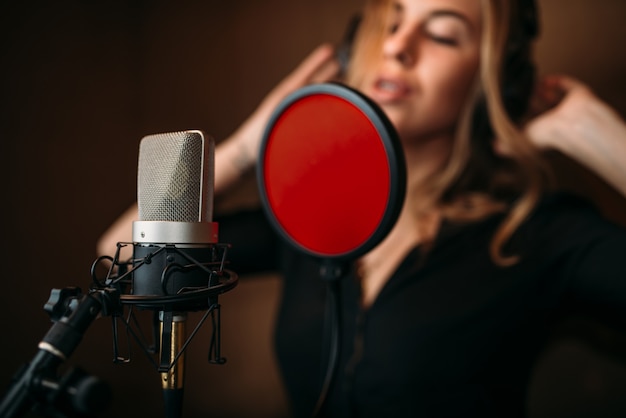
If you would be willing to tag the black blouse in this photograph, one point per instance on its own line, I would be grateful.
(451, 334)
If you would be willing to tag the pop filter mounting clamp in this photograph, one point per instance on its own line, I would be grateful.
(332, 180)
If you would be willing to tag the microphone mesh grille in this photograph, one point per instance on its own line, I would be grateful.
(172, 178)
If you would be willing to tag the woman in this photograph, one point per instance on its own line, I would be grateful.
(444, 316)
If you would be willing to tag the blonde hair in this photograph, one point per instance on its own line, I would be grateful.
(514, 184)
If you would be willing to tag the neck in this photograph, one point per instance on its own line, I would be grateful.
(423, 158)
(417, 223)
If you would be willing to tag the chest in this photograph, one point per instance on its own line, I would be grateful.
(441, 325)
(445, 321)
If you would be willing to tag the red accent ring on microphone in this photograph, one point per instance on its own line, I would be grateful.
(331, 172)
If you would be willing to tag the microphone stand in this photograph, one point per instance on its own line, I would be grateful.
(36, 386)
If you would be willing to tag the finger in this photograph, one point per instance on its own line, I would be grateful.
(548, 93)
(565, 84)
(542, 98)
(313, 63)
(329, 71)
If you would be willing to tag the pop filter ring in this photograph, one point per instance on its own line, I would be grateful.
(394, 155)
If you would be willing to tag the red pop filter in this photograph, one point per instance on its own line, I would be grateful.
(331, 172)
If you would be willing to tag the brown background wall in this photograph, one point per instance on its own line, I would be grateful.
(82, 81)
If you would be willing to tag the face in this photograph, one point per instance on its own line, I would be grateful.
(428, 62)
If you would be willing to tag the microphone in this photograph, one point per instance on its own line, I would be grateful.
(177, 267)
(173, 245)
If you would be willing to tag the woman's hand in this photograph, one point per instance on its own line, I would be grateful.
(570, 118)
(559, 103)
(238, 153)
(319, 66)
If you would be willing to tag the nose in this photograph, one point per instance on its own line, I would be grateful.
(400, 45)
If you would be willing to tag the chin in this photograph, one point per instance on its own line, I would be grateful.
(406, 125)
(413, 126)
(397, 115)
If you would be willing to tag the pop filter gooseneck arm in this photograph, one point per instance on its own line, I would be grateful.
(332, 180)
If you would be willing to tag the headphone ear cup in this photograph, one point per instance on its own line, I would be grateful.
(344, 49)
(519, 72)
(519, 69)
(518, 84)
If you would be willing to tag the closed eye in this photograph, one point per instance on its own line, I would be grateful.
(447, 41)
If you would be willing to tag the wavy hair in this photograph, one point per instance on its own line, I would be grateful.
(476, 181)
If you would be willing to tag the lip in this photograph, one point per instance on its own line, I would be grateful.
(390, 89)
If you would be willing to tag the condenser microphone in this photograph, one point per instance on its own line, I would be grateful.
(173, 243)
(177, 267)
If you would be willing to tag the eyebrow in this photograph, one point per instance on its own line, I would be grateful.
(399, 8)
(453, 14)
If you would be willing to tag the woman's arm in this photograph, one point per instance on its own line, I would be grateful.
(583, 127)
(237, 154)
